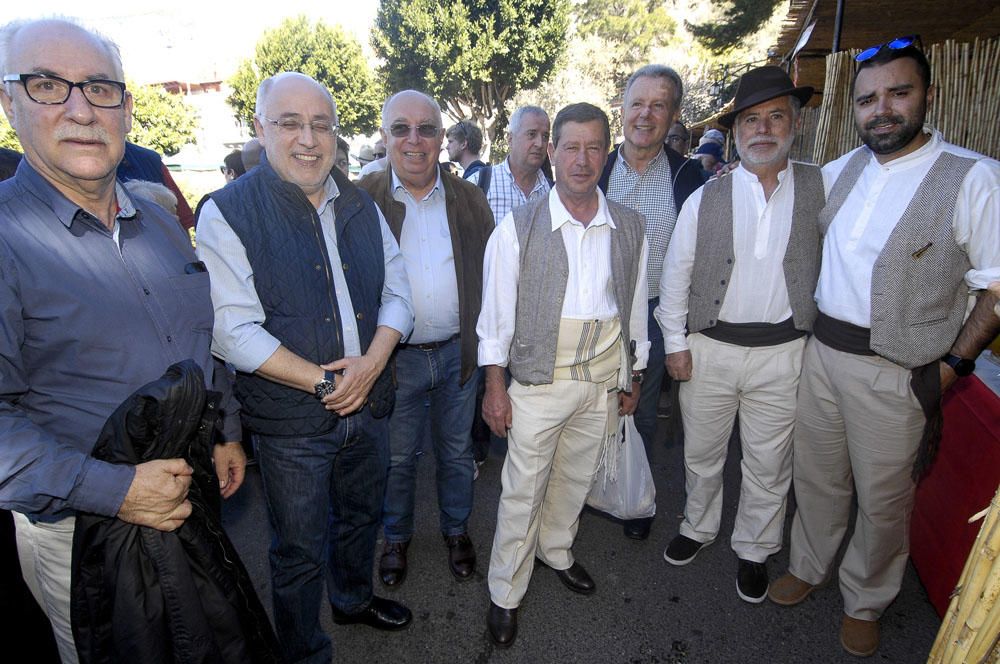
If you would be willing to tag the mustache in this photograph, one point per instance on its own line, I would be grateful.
(78, 133)
(881, 119)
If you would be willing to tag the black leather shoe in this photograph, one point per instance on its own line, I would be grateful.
(381, 613)
(392, 564)
(638, 529)
(576, 579)
(502, 625)
(461, 556)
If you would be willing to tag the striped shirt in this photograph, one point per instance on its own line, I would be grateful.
(651, 193)
(504, 194)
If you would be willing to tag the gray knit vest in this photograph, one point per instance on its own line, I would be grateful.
(714, 253)
(917, 298)
(541, 289)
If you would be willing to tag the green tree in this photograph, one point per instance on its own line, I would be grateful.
(8, 137)
(630, 29)
(739, 20)
(161, 121)
(326, 53)
(471, 55)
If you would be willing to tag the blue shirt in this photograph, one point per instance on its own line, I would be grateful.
(87, 316)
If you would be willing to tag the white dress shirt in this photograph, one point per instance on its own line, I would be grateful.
(425, 242)
(875, 205)
(238, 336)
(589, 285)
(756, 292)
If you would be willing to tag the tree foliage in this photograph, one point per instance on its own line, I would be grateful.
(629, 28)
(8, 137)
(471, 55)
(161, 121)
(327, 54)
(739, 19)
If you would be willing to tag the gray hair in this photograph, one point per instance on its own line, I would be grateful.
(517, 117)
(658, 71)
(265, 88)
(430, 101)
(10, 30)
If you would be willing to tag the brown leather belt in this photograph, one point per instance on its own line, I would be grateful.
(432, 345)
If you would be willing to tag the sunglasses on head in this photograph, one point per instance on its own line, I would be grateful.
(401, 130)
(894, 45)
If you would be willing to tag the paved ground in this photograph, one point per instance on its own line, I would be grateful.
(644, 610)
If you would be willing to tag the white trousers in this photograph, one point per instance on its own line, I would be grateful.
(553, 448)
(45, 551)
(858, 426)
(760, 385)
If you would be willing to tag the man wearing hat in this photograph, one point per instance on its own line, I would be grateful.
(739, 276)
(911, 229)
(709, 154)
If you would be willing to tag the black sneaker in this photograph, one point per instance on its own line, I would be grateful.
(682, 550)
(751, 581)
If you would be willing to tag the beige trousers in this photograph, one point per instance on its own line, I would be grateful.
(857, 428)
(553, 448)
(759, 384)
(45, 551)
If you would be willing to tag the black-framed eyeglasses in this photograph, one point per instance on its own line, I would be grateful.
(675, 139)
(894, 45)
(53, 90)
(402, 130)
(294, 125)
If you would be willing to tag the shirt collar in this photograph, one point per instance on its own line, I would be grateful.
(561, 216)
(330, 193)
(749, 178)
(652, 162)
(540, 180)
(397, 184)
(64, 209)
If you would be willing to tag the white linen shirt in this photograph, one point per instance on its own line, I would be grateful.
(425, 241)
(589, 284)
(238, 336)
(875, 205)
(757, 292)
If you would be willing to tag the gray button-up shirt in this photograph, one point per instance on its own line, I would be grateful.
(87, 316)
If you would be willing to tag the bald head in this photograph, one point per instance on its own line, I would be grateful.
(408, 98)
(18, 37)
(290, 81)
(411, 128)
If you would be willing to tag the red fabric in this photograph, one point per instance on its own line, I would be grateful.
(961, 482)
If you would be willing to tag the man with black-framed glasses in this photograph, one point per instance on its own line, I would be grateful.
(442, 223)
(100, 293)
(311, 298)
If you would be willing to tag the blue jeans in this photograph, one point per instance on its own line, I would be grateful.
(324, 495)
(428, 384)
(652, 383)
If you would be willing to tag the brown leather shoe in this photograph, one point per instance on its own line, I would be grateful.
(789, 590)
(461, 556)
(859, 637)
(502, 625)
(392, 564)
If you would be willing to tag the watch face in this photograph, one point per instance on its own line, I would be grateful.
(964, 367)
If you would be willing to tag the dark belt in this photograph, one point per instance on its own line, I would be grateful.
(431, 345)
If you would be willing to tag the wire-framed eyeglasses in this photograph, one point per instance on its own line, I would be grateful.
(292, 125)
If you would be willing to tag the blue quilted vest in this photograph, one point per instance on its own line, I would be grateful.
(281, 232)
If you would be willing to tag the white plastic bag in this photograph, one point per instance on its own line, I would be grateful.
(623, 485)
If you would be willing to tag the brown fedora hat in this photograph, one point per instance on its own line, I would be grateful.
(759, 85)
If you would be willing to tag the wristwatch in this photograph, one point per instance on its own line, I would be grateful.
(326, 386)
(962, 366)
(638, 376)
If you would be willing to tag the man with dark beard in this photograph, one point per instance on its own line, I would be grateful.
(912, 227)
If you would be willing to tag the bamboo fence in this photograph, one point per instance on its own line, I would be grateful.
(966, 108)
(970, 632)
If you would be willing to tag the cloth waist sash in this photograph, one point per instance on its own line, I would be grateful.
(754, 334)
(590, 350)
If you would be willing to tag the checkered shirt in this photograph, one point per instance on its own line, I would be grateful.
(650, 193)
(504, 194)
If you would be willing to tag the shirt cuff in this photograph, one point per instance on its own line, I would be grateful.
(397, 316)
(492, 352)
(980, 279)
(674, 343)
(641, 356)
(102, 487)
(253, 351)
